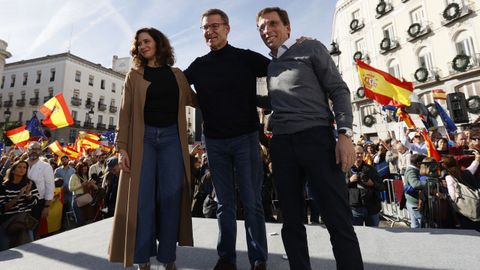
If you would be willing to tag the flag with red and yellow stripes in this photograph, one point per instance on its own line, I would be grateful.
(431, 150)
(56, 112)
(406, 118)
(439, 94)
(383, 87)
(19, 136)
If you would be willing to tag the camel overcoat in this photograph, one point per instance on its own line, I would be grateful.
(130, 131)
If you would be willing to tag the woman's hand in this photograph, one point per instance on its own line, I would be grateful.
(124, 160)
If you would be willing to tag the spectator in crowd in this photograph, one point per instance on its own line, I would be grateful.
(461, 144)
(417, 145)
(110, 184)
(225, 80)
(442, 146)
(154, 189)
(301, 79)
(413, 187)
(18, 194)
(364, 185)
(370, 152)
(79, 184)
(456, 174)
(391, 156)
(97, 170)
(65, 171)
(379, 161)
(403, 157)
(41, 173)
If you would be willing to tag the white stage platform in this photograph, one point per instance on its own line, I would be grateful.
(382, 248)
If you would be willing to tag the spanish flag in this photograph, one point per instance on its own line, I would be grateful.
(383, 87)
(56, 113)
(88, 134)
(431, 150)
(439, 94)
(71, 153)
(19, 136)
(90, 143)
(406, 118)
(57, 149)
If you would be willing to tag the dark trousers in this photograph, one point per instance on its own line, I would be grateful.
(37, 213)
(312, 153)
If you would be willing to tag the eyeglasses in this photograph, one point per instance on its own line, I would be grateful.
(270, 24)
(213, 26)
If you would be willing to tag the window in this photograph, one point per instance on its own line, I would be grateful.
(39, 76)
(102, 84)
(20, 116)
(113, 87)
(23, 95)
(52, 74)
(25, 78)
(76, 93)
(464, 44)
(111, 121)
(425, 59)
(100, 119)
(388, 31)
(356, 14)
(74, 115)
(78, 75)
(3, 82)
(360, 45)
(470, 89)
(88, 118)
(102, 100)
(50, 91)
(394, 68)
(112, 102)
(36, 93)
(12, 84)
(460, 2)
(417, 15)
(90, 80)
(10, 96)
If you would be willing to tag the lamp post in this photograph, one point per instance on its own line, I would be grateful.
(335, 51)
(7, 115)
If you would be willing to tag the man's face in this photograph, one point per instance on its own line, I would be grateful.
(215, 31)
(462, 140)
(359, 154)
(101, 158)
(65, 161)
(34, 151)
(272, 30)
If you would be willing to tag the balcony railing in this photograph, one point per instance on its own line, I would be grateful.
(454, 12)
(21, 102)
(424, 75)
(101, 126)
(361, 55)
(102, 107)
(90, 104)
(113, 109)
(76, 101)
(463, 66)
(8, 103)
(112, 127)
(34, 101)
(88, 124)
(77, 123)
(46, 98)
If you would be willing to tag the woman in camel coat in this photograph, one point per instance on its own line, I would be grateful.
(153, 201)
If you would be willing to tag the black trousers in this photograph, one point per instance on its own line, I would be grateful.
(312, 153)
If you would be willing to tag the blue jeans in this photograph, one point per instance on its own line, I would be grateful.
(415, 215)
(159, 197)
(236, 161)
(360, 216)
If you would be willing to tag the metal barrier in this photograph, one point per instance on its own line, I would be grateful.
(391, 202)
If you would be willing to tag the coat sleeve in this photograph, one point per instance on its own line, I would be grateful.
(191, 96)
(123, 124)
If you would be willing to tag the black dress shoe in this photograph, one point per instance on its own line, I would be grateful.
(259, 266)
(223, 264)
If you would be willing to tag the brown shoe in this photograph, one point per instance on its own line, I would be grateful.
(223, 264)
(259, 266)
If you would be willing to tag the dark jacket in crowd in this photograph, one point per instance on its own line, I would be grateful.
(362, 196)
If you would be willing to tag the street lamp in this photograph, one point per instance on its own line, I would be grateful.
(335, 51)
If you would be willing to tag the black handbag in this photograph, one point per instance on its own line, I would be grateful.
(20, 222)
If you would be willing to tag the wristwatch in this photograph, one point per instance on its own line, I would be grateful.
(346, 131)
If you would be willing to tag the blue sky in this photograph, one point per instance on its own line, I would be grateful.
(97, 30)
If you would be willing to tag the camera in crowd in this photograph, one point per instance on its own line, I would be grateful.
(361, 175)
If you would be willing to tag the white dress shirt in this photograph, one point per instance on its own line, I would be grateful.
(42, 174)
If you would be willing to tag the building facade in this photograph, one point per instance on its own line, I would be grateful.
(433, 43)
(91, 91)
(4, 54)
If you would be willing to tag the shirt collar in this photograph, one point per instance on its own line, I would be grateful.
(285, 46)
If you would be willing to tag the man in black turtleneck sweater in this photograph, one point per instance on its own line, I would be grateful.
(225, 81)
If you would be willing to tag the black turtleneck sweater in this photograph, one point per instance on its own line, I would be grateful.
(161, 103)
(226, 82)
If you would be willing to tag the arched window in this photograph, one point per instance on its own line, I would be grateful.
(464, 44)
(394, 68)
(425, 58)
(470, 89)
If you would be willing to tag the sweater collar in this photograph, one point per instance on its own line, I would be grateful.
(221, 51)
